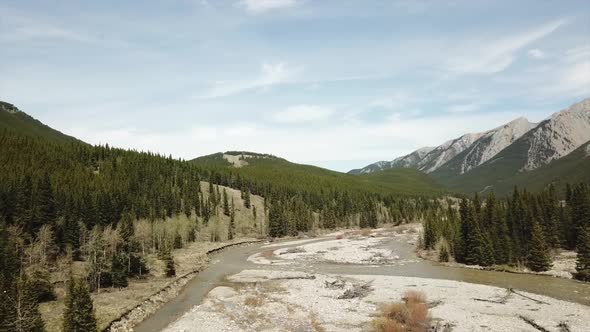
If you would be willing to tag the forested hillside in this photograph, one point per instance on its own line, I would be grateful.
(12, 118)
(278, 171)
(62, 199)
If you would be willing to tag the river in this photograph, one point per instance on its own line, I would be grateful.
(234, 260)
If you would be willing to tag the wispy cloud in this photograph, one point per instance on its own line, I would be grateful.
(270, 74)
(302, 113)
(536, 53)
(17, 28)
(500, 54)
(464, 108)
(263, 6)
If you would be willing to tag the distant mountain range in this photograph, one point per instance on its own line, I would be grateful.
(498, 158)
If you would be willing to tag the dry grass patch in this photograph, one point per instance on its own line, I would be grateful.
(411, 315)
(254, 301)
(315, 324)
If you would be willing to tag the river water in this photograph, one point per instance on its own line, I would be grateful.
(234, 260)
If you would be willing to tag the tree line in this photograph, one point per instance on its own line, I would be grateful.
(110, 207)
(519, 230)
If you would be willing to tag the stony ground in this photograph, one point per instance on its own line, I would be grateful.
(267, 300)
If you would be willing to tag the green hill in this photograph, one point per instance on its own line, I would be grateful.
(11, 118)
(406, 180)
(305, 177)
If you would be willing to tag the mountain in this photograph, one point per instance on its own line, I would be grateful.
(281, 172)
(499, 157)
(474, 149)
(410, 161)
(550, 140)
(573, 168)
(11, 118)
(487, 146)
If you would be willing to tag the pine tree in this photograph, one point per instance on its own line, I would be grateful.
(583, 260)
(429, 234)
(10, 269)
(71, 236)
(119, 271)
(79, 311)
(275, 220)
(28, 318)
(247, 199)
(226, 210)
(126, 229)
(44, 206)
(232, 222)
(538, 258)
(170, 269)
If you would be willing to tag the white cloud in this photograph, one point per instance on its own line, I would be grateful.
(576, 79)
(334, 140)
(536, 53)
(262, 6)
(578, 53)
(302, 113)
(270, 74)
(395, 101)
(463, 108)
(498, 55)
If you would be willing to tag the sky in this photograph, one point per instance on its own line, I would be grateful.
(333, 83)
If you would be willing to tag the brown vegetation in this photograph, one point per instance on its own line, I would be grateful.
(411, 315)
(254, 301)
(365, 232)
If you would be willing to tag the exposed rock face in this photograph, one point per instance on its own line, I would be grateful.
(493, 142)
(4, 106)
(443, 153)
(551, 139)
(559, 135)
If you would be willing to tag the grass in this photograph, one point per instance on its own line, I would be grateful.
(410, 315)
(254, 301)
(365, 232)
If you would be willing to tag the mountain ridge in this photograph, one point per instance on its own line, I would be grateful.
(481, 160)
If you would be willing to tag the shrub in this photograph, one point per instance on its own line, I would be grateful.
(254, 301)
(411, 315)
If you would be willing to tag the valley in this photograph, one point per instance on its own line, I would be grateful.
(296, 289)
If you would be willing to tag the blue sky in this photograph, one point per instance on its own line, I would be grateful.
(338, 84)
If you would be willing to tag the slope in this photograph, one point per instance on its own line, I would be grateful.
(311, 178)
(11, 118)
(573, 168)
(550, 140)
